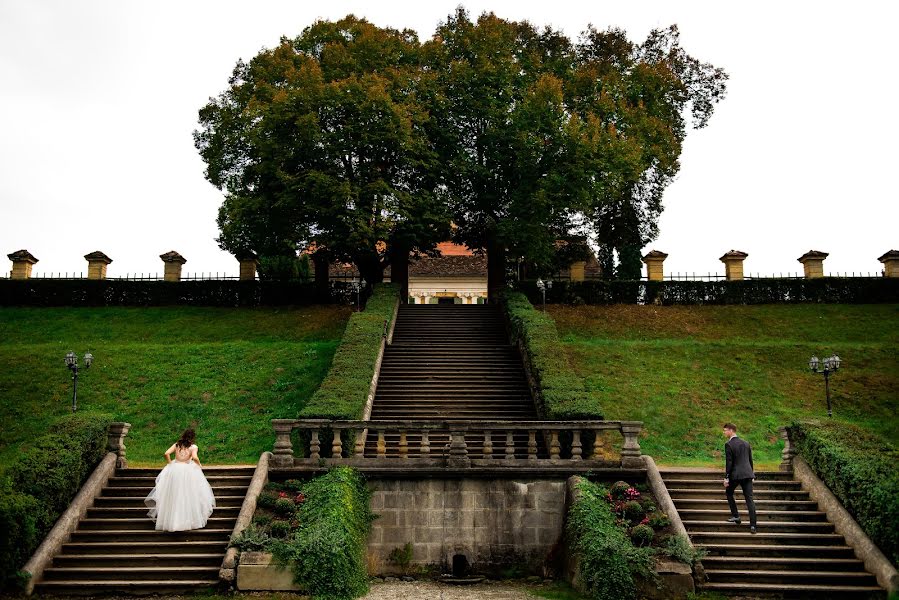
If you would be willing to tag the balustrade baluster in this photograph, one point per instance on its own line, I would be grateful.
(510, 445)
(576, 444)
(597, 445)
(382, 445)
(404, 445)
(458, 450)
(314, 446)
(555, 450)
(488, 445)
(630, 450)
(532, 444)
(425, 450)
(336, 445)
(283, 451)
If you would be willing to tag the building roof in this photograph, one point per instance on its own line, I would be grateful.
(97, 256)
(458, 265)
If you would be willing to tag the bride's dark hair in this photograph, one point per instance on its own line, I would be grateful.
(187, 439)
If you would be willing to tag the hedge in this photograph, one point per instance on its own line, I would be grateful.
(344, 390)
(328, 551)
(212, 292)
(831, 290)
(562, 393)
(608, 559)
(38, 487)
(860, 470)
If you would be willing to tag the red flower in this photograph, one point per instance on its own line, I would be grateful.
(282, 494)
(300, 498)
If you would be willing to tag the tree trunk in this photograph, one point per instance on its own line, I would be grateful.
(399, 270)
(496, 267)
(320, 262)
(370, 269)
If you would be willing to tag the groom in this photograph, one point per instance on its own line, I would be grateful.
(738, 472)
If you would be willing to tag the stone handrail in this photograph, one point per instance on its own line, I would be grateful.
(227, 572)
(314, 433)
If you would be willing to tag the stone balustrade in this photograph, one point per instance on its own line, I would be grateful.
(462, 444)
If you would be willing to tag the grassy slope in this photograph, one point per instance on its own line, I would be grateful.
(226, 372)
(686, 370)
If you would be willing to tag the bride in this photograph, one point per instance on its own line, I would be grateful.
(182, 498)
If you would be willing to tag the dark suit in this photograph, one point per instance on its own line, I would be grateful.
(739, 471)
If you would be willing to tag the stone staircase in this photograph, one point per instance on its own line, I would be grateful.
(795, 552)
(116, 549)
(451, 362)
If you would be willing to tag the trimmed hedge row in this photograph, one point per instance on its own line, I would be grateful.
(329, 549)
(36, 489)
(830, 290)
(344, 390)
(860, 470)
(212, 292)
(562, 392)
(609, 561)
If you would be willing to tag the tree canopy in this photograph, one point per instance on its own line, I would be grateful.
(364, 143)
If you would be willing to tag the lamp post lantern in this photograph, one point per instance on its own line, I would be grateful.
(829, 365)
(358, 286)
(72, 363)
(543, 286)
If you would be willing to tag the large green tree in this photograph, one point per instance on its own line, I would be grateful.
(320, 143)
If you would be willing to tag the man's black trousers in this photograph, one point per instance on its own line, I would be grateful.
(746, 484)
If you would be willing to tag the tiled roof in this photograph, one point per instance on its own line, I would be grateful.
(449, 266)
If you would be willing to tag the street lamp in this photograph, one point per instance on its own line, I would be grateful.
(543, 286)
(831, 364)
(358, 286)
(72, 364)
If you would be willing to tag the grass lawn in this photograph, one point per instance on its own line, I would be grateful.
(685, 370)
(224, 371)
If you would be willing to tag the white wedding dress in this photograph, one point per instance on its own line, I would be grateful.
(182, 498)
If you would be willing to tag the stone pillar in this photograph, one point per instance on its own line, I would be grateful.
(813, 263)
(890, 262)
(249, 263)
(630, 450)
(576, 270)
(786, 462)
(654, 260)
(733, 264)
(173, 263)
(22, 261)
(115, 442)
(96, 264)
(282, 457)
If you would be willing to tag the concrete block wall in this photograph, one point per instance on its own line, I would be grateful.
(493, 523)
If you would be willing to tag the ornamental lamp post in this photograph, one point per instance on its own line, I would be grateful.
(543, 286)
(358, 286)
(831, 364)
(72, 363)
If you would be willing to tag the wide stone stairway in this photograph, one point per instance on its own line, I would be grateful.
(451, 362)
(116, 549)
(795, 552)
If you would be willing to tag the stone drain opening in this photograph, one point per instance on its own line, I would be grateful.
(461, 573)
(460, 566)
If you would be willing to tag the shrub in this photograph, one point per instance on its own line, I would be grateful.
(39, 486)
(328, 550)
(293, 485)
(648, 505)
(344, 390)
(633, 512)
(267, 499)
(608, 559)
(402, 557)
(279, 529)
(642, 535)
(262, 520)
(251, 539)
(284, 506)
(619, 489)
(659, 520)
(680, 549)
(562, 392)
(860, 470)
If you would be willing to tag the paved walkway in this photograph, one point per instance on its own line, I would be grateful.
(427, 590)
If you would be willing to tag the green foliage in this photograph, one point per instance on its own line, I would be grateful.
(284, 268)
(279, 529)
(252, 539)
(328, 550)
(39, 486)
(293, 485)
(344, 391)
(659, 520)
(284, 506)
(262, 520)
(609, 560)
(860, 470)
(562, 392)
(227, 372)
(619, 489)
(267, 499)
(642, 536)
(402, 557)
(680, 549)
(633, 511)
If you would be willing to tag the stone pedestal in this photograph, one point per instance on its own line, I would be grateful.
(654, 270)
(173, 263)
(813, 263)
(259, 571)
(249, 264)
(733, 264)
(890, 262)
(96, 264)
(22, 261)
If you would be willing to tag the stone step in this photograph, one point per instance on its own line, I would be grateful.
(140, 535)
(139, 560)
(712, 484)
(781, 590)
(760, 504)
(791, 577)
(763, 526)
(671, 474)
(91, 587)
(214, 481)
(208, 470)
(146, 548)
(777, 550)
(138, 502)
(159, 573)
(126, 512)
(762, 515)
(144, 523)
(791, 563)
(124, 491)
(712, 493)
(741, 535)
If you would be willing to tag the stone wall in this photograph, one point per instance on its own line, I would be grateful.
(493, 523)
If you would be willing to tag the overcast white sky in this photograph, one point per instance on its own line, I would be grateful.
(98, 100)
